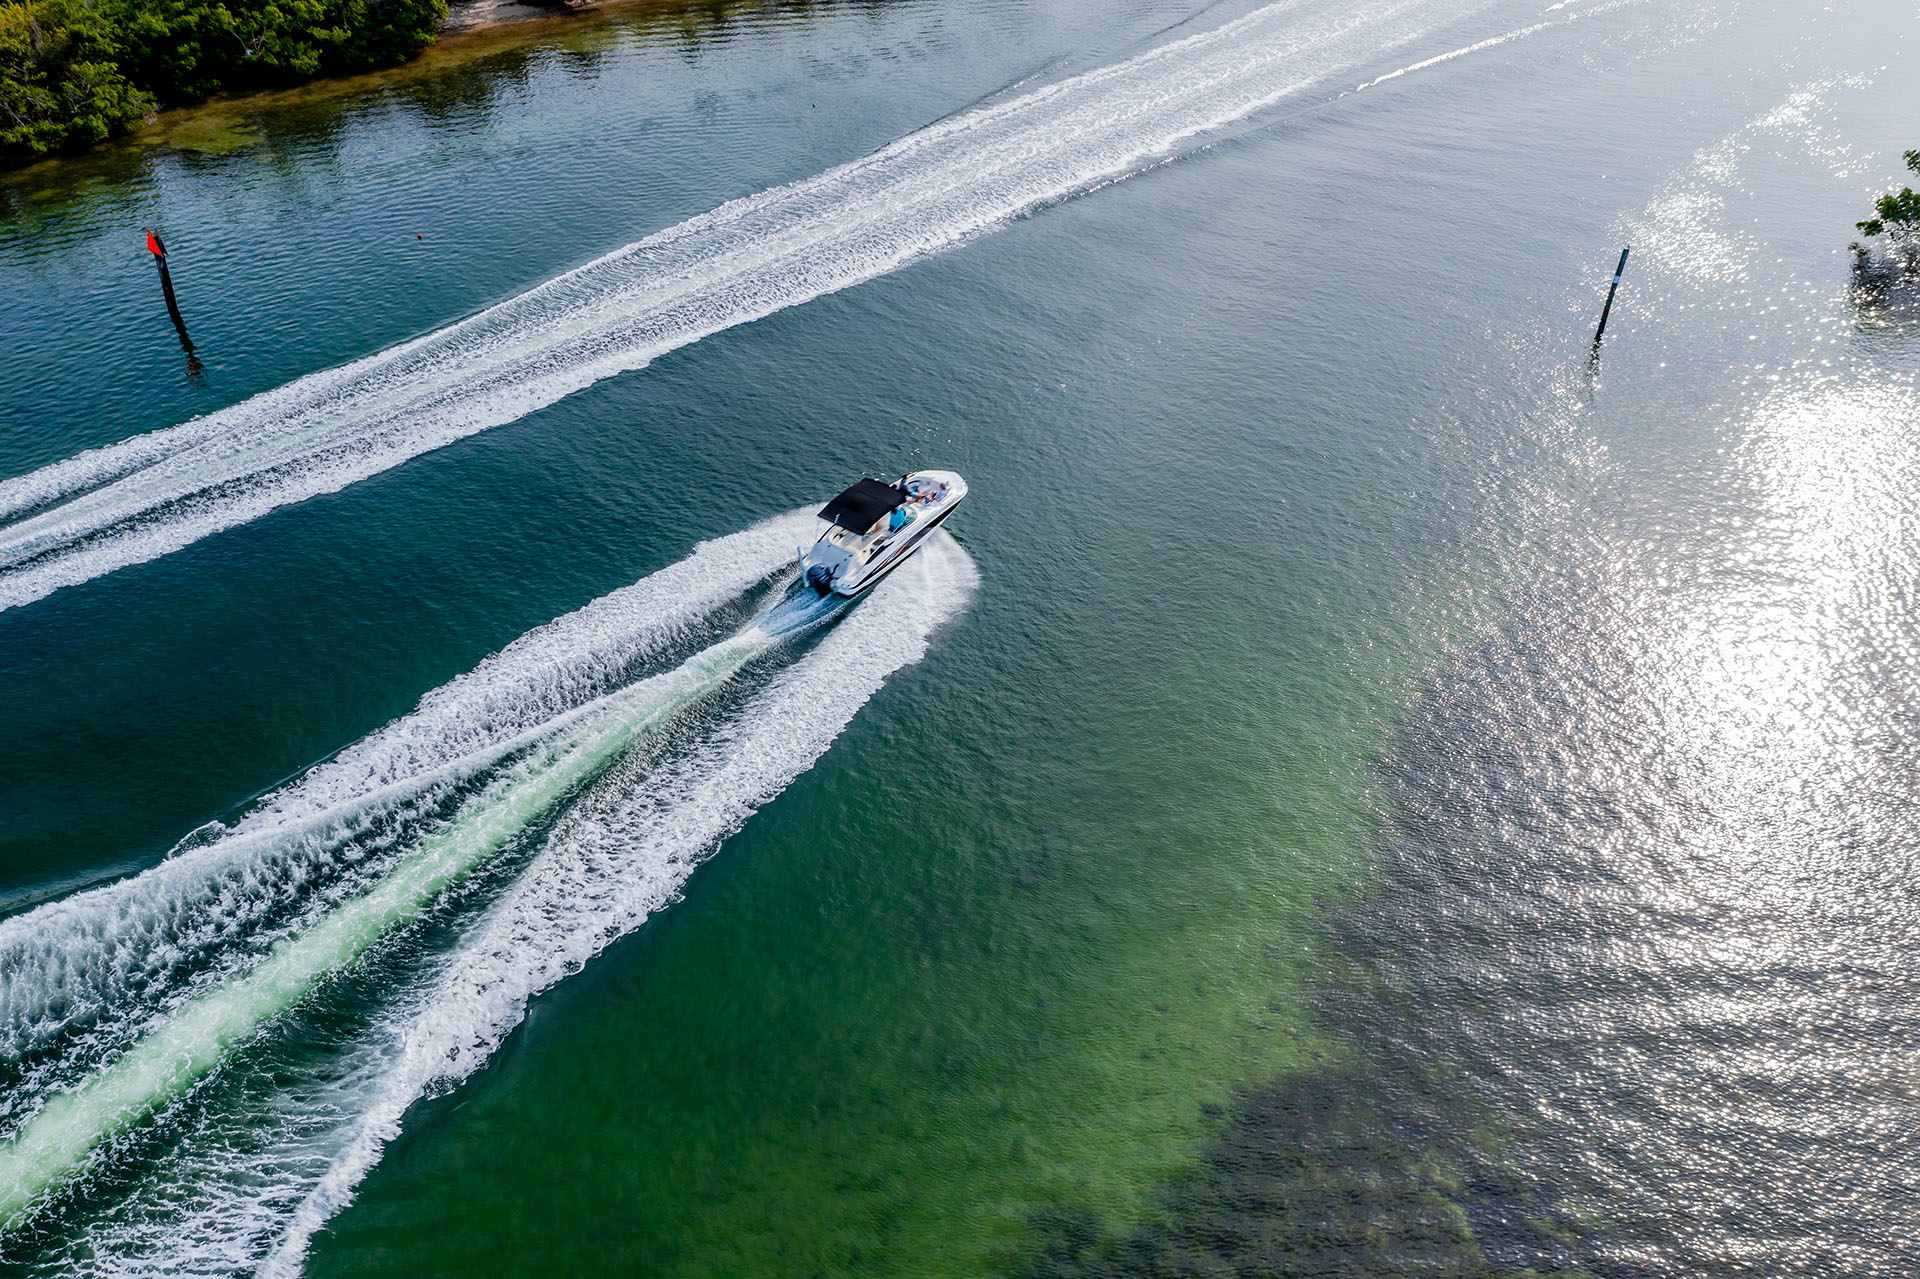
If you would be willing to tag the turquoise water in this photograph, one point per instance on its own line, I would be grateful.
(1360, 787)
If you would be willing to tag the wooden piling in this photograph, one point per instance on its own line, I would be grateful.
(158, 247)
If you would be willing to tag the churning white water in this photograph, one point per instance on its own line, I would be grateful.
(138, 940)
(183, 968)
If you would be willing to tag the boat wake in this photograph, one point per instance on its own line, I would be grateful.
(201, 1062)
(151, 495)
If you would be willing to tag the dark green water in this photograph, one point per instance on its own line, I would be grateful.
(1392, 799)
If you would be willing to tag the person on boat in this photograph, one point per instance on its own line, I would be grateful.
(900, 517)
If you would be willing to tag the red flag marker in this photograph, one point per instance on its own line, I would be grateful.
(155, 246)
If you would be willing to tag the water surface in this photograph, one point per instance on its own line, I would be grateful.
(1357, 764)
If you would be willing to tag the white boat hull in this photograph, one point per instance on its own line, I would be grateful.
(848, 564)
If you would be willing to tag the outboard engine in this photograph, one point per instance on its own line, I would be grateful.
(820, 578)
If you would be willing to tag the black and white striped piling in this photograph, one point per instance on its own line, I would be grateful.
(1607, 310)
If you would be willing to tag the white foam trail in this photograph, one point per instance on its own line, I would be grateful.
(1508, 37)
(625, 850)
(247, 1182)
(1463, 51)
(196, 1036)
(131, 502)
(1493, 42)
(120, 945)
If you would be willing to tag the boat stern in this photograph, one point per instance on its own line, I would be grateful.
(823, 564)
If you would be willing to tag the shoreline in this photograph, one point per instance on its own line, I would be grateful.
(472, 29)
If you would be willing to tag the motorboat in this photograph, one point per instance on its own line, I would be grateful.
(875, 525)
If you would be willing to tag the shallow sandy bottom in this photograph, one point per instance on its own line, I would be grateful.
(472, 15)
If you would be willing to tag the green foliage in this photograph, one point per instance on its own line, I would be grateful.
(1897, 216)
(75, 71)
(60, 82)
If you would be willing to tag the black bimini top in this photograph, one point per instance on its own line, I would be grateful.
(858, 507)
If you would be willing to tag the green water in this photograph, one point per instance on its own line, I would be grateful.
(1282, 453)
